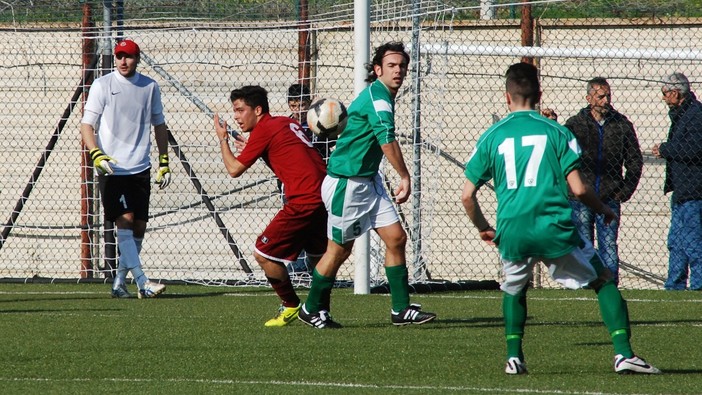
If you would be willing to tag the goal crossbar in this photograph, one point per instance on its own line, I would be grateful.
(580, 52)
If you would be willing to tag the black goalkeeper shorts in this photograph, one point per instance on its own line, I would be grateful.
(126, 194)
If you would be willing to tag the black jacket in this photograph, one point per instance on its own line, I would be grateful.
(606, 151)
(683, 151)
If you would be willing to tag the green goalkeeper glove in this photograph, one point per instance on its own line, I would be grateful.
(101, 162)
(163, 177)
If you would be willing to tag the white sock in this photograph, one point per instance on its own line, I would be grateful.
(121, 277)
(129, 256)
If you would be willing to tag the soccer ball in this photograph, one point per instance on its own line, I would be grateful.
(327, 118)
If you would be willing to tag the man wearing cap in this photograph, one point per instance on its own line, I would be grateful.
(683, 176)
(126, 104)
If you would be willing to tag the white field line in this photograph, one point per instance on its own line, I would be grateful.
(428, 388)
(422, 296)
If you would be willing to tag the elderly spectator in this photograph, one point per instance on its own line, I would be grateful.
(683, 176)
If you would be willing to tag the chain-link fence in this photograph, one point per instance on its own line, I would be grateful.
(203, 226)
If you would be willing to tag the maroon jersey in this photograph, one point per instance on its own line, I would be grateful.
(282, 144)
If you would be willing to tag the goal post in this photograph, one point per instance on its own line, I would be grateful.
(198, 52)
(361, 32)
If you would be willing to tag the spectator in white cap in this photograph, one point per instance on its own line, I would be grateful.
(683, 176)
(127, 104)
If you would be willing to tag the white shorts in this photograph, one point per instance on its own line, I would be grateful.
(574, 270)
(355, 206)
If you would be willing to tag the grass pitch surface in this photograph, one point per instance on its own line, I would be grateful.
(75, 339)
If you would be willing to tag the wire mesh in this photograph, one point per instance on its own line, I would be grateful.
(199, 51)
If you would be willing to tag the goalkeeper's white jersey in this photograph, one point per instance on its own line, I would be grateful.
(127, 108)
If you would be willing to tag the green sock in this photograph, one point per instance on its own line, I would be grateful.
(399, 288)
(514, 309)
(615, 315)
(320, 286)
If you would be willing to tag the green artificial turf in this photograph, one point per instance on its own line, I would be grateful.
(75, 339)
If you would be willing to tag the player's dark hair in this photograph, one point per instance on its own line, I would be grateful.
(393, 46)
(253, 96)
(523, 83)
(597, 81)
(299, 92)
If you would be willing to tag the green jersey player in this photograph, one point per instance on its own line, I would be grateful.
(533, 161)
(356, 199)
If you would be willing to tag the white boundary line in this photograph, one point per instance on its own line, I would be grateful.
(313, 384)
(437, 295)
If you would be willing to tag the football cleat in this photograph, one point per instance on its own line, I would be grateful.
(515, 366)
(121, 292)
(623, 365)
(151, 290)
(411, 315)
(284, 316)
(319, 320)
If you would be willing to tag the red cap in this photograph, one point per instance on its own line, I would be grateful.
(128, 47)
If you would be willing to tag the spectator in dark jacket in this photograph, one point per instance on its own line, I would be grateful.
(611, 163)
(683, 177)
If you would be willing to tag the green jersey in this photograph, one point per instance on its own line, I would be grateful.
(371, 124)
(528, 158)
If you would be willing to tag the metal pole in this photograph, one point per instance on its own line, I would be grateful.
(419, 265)
(87, 233)
(119, 8)
(487, 9)
(303, 45)
(361, 32)
(527, 25)
(107, 64)
(107, 37)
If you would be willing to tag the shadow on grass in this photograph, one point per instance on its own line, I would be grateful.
(680, 371)
(473, 321)
(166, 295)
(106, 295)
(44, 311)
(439, 323)
(53, 299)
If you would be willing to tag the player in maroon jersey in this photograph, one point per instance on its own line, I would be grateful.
(302, 222)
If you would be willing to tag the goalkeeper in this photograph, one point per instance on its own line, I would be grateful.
(126, 103)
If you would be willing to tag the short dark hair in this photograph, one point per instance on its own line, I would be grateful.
(599, 81)
(253, 96)
(299, 92)
(393, 46)
(523, 83)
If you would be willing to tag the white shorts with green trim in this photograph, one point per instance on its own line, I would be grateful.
(574, 270)
(355, 206)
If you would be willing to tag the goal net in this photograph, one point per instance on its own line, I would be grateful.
(202, 228)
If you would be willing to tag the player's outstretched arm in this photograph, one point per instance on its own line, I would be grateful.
(585, 194)
(475, 213)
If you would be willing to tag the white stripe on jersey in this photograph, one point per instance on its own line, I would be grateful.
(382, 105)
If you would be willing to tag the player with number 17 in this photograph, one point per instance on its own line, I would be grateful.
(533, 161)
